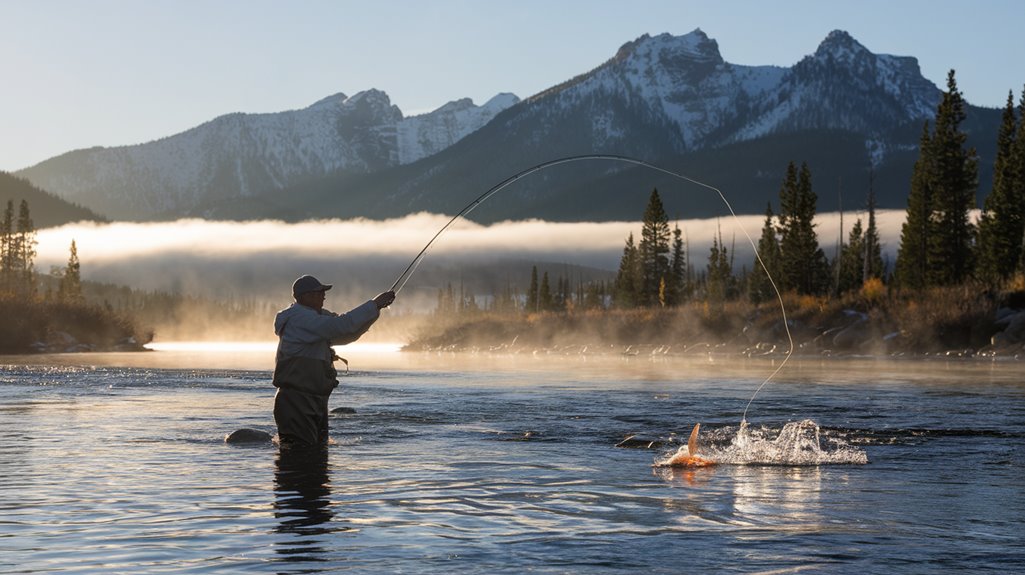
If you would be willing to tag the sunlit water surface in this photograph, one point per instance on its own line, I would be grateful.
(115, 463)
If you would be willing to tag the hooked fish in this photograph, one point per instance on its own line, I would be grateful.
(690, 458)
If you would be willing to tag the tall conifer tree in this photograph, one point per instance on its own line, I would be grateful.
(70, 288)
(954, 181)
(7, 250)
(532, 293)
(678, 269)
(872, 260)
(545, 301)
(760, 286)
(851, 262)
(1018, 169)
(1001, 221)
(720, 273)
(653, 250)
(27, 253)
(803, 265)
(626, 287)
(912, 255)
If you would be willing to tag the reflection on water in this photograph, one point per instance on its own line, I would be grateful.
(302, 504)
(787, 497)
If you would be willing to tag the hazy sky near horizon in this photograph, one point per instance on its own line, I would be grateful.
(82, 73)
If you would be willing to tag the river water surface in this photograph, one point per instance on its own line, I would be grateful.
(116, 463)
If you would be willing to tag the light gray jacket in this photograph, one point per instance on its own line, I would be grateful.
(305, 336)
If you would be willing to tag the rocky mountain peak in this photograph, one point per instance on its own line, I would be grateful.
(694, 48)
(840, 46)
(332, 101)
(375, 104)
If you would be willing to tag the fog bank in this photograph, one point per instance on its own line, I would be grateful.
(261, 259)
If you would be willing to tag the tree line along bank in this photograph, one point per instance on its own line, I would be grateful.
(58, 319)
(944, 258)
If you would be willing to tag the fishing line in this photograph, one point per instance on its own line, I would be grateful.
(400, 282)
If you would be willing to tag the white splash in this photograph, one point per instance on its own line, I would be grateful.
(797, 444)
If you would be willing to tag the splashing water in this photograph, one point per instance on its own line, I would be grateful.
(798, 443)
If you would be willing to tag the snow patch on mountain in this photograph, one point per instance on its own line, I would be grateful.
(681, 81)
(427, 134)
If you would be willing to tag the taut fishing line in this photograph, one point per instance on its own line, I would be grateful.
(400, 282)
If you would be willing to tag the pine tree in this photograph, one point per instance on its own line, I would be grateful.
(954, 182)
(677, 270)
(653, 250)
(788, 241)
(7, 250)
(1000, 224)
(720, 272)
(872, 257)
(561, 297)
(760, 282)
(17, 260)
(912, 255)
(532, 293)
(626, 288)
(70, 289)
(544, 295)
(1018, 169)
(27, 255)
(850, 264)
(803, 266)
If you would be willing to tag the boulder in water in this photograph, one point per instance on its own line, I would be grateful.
(246, 435)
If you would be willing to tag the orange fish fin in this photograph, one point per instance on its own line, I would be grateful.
(692, 443)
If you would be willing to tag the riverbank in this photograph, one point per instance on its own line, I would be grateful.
(40, 326)
(952, 322)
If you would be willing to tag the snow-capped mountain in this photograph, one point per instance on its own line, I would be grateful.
(682, 82)
(844, 86)
(236, 156)
(674, 100)
(669, 99)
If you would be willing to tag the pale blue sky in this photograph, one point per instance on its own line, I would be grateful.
(80, 73)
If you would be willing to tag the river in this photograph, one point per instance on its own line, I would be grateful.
(116, 463)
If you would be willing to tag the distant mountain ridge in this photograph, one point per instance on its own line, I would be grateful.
(45, 209)
(236, 156)
(668, 99)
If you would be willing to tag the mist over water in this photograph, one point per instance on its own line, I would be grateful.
(260, 259)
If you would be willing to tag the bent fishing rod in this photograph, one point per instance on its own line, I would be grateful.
(400, 282)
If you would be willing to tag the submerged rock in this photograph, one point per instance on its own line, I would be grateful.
(246, 435)
(343, 411)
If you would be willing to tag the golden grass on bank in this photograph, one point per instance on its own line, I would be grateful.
(886, 322)
(33, 324)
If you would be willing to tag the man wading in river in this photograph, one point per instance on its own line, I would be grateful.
(304, 372)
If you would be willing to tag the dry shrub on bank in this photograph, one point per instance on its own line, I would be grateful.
(35, 325)
(945, 318)
(871, 320)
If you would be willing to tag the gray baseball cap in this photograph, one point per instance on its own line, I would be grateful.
(306, 284)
